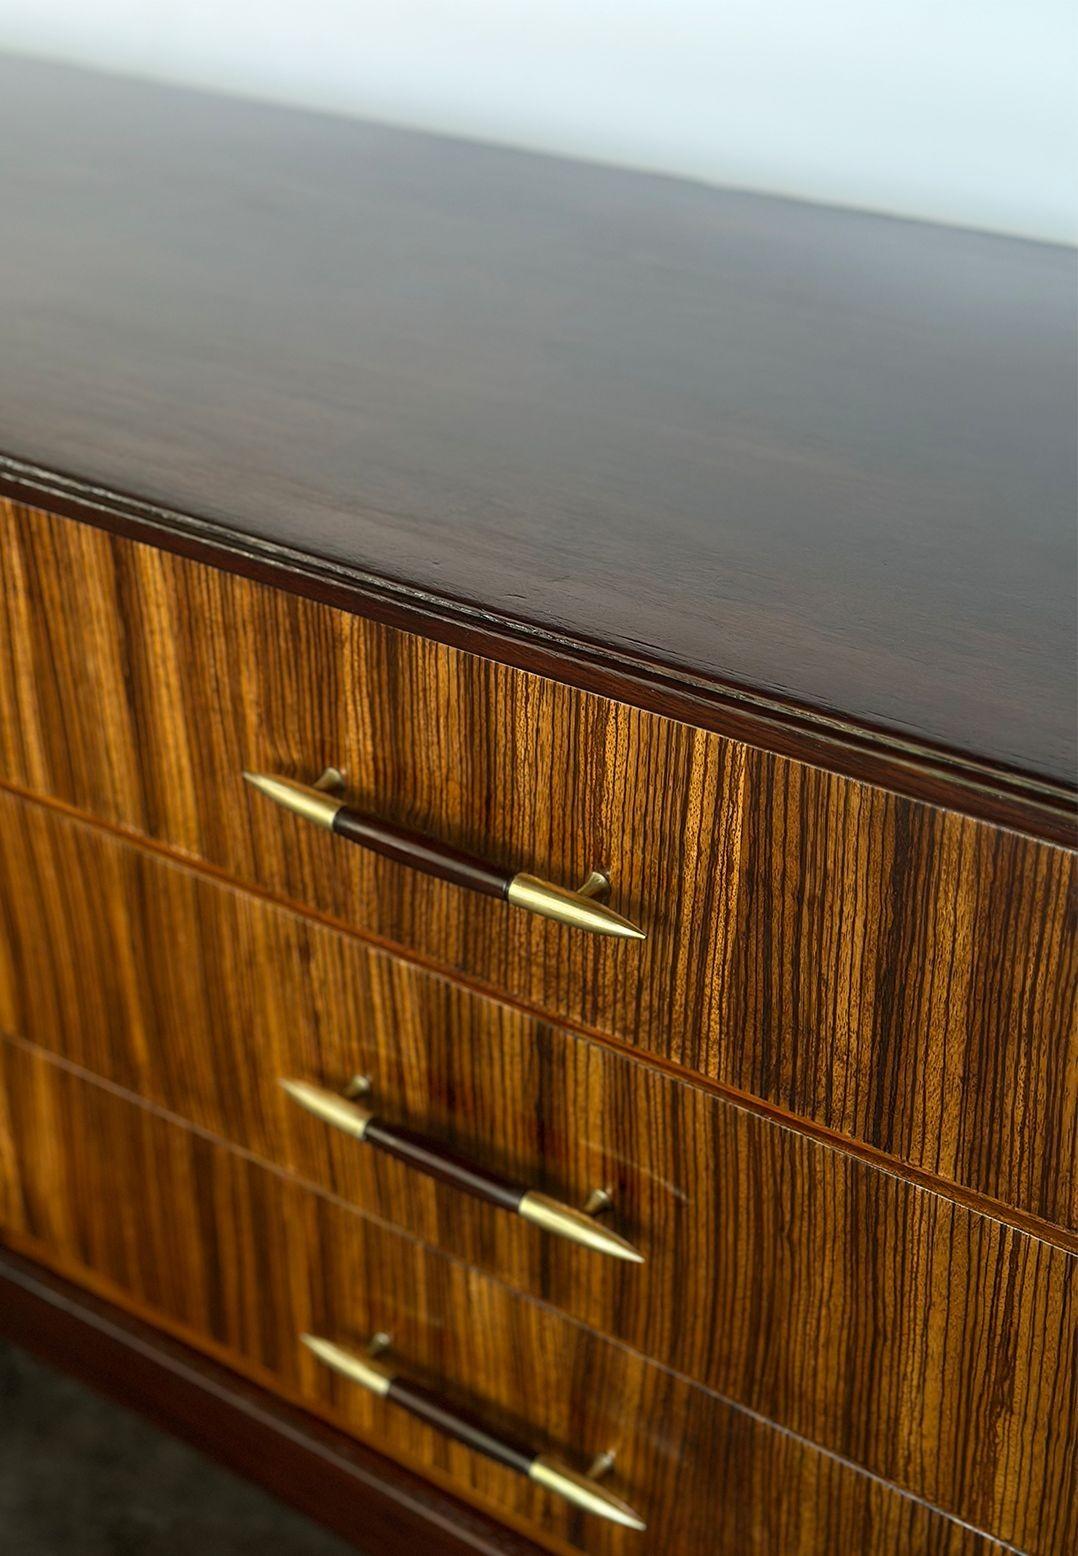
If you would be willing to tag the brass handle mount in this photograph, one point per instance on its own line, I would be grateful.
(580, 909)
(430, 1156)
(582, 1490)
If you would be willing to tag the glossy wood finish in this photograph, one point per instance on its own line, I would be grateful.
(820, 459)
(896, 973)
(853, 1308)
(943, 778)
(367, 1498)
(780, 502)
(239, 1260)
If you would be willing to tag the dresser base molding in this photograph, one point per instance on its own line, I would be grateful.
(330, 1477)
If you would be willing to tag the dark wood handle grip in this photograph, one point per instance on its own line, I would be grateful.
(421, 1152)
(578, 908)
(580, 1490)
(431, 1157)
(462, 1425)
(422, 853)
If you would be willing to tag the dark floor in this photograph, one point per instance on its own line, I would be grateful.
(81, 1477)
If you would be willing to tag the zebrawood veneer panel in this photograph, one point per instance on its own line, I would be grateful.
(895, 972)
(923, 1340)
(240, 1258)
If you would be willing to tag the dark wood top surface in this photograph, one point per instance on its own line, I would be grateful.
(822, 457)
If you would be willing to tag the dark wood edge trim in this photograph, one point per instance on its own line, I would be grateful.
(873, 755)
(335, 1480)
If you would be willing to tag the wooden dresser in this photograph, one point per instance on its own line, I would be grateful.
(644, 616)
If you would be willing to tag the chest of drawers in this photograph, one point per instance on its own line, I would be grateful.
(538, 504)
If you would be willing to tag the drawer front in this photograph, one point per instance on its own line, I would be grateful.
(910, 1334)
(240, 1260)
(897, 973)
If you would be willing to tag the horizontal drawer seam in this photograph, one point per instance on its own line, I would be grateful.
(30, 1248)
(932, 1183)
(37, 1287)
(286, 1175)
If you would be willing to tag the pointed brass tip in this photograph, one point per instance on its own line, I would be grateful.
(569, 907)
(329, 1106)
(583, 1492)
(312, 804)
(576, 1225)
(357, 1369)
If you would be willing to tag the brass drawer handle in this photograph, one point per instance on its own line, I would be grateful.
(431, 1157)
(577, 908)
(582, 1490)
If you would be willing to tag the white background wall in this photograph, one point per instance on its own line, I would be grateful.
(955, 110)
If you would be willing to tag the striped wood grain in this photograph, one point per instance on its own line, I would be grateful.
(897, 973)
(920, 1339)
(239, 1260)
